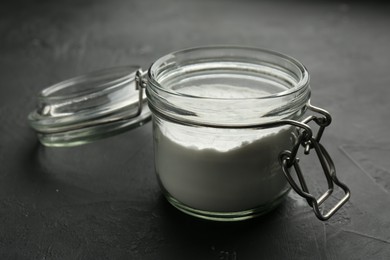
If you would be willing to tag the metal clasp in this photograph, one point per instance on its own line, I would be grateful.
(288, 159)
(140, 85)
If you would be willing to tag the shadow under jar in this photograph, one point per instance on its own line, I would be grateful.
(227, 125)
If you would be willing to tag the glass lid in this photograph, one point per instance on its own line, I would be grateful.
(90, 107)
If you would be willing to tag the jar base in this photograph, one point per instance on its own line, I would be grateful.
(227, 216)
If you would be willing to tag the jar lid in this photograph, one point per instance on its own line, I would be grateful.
(90, 107)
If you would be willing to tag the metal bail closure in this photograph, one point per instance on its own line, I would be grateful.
(289, 159)
(91, 107)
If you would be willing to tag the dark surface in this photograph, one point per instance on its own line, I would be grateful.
(102, 200)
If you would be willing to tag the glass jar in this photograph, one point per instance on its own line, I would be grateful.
(227, 125)
(209, 160)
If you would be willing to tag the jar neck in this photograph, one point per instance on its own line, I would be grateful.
(227, 86)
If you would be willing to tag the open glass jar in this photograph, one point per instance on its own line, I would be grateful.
(227, 125)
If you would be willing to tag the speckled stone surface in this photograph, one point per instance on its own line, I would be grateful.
(102, 200)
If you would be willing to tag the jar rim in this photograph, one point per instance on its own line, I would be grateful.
(302, 83)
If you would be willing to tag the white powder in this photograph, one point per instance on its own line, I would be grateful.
(221, 170)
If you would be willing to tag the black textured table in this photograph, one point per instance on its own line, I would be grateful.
(102, 200)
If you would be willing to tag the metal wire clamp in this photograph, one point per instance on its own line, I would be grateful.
(289, 159)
